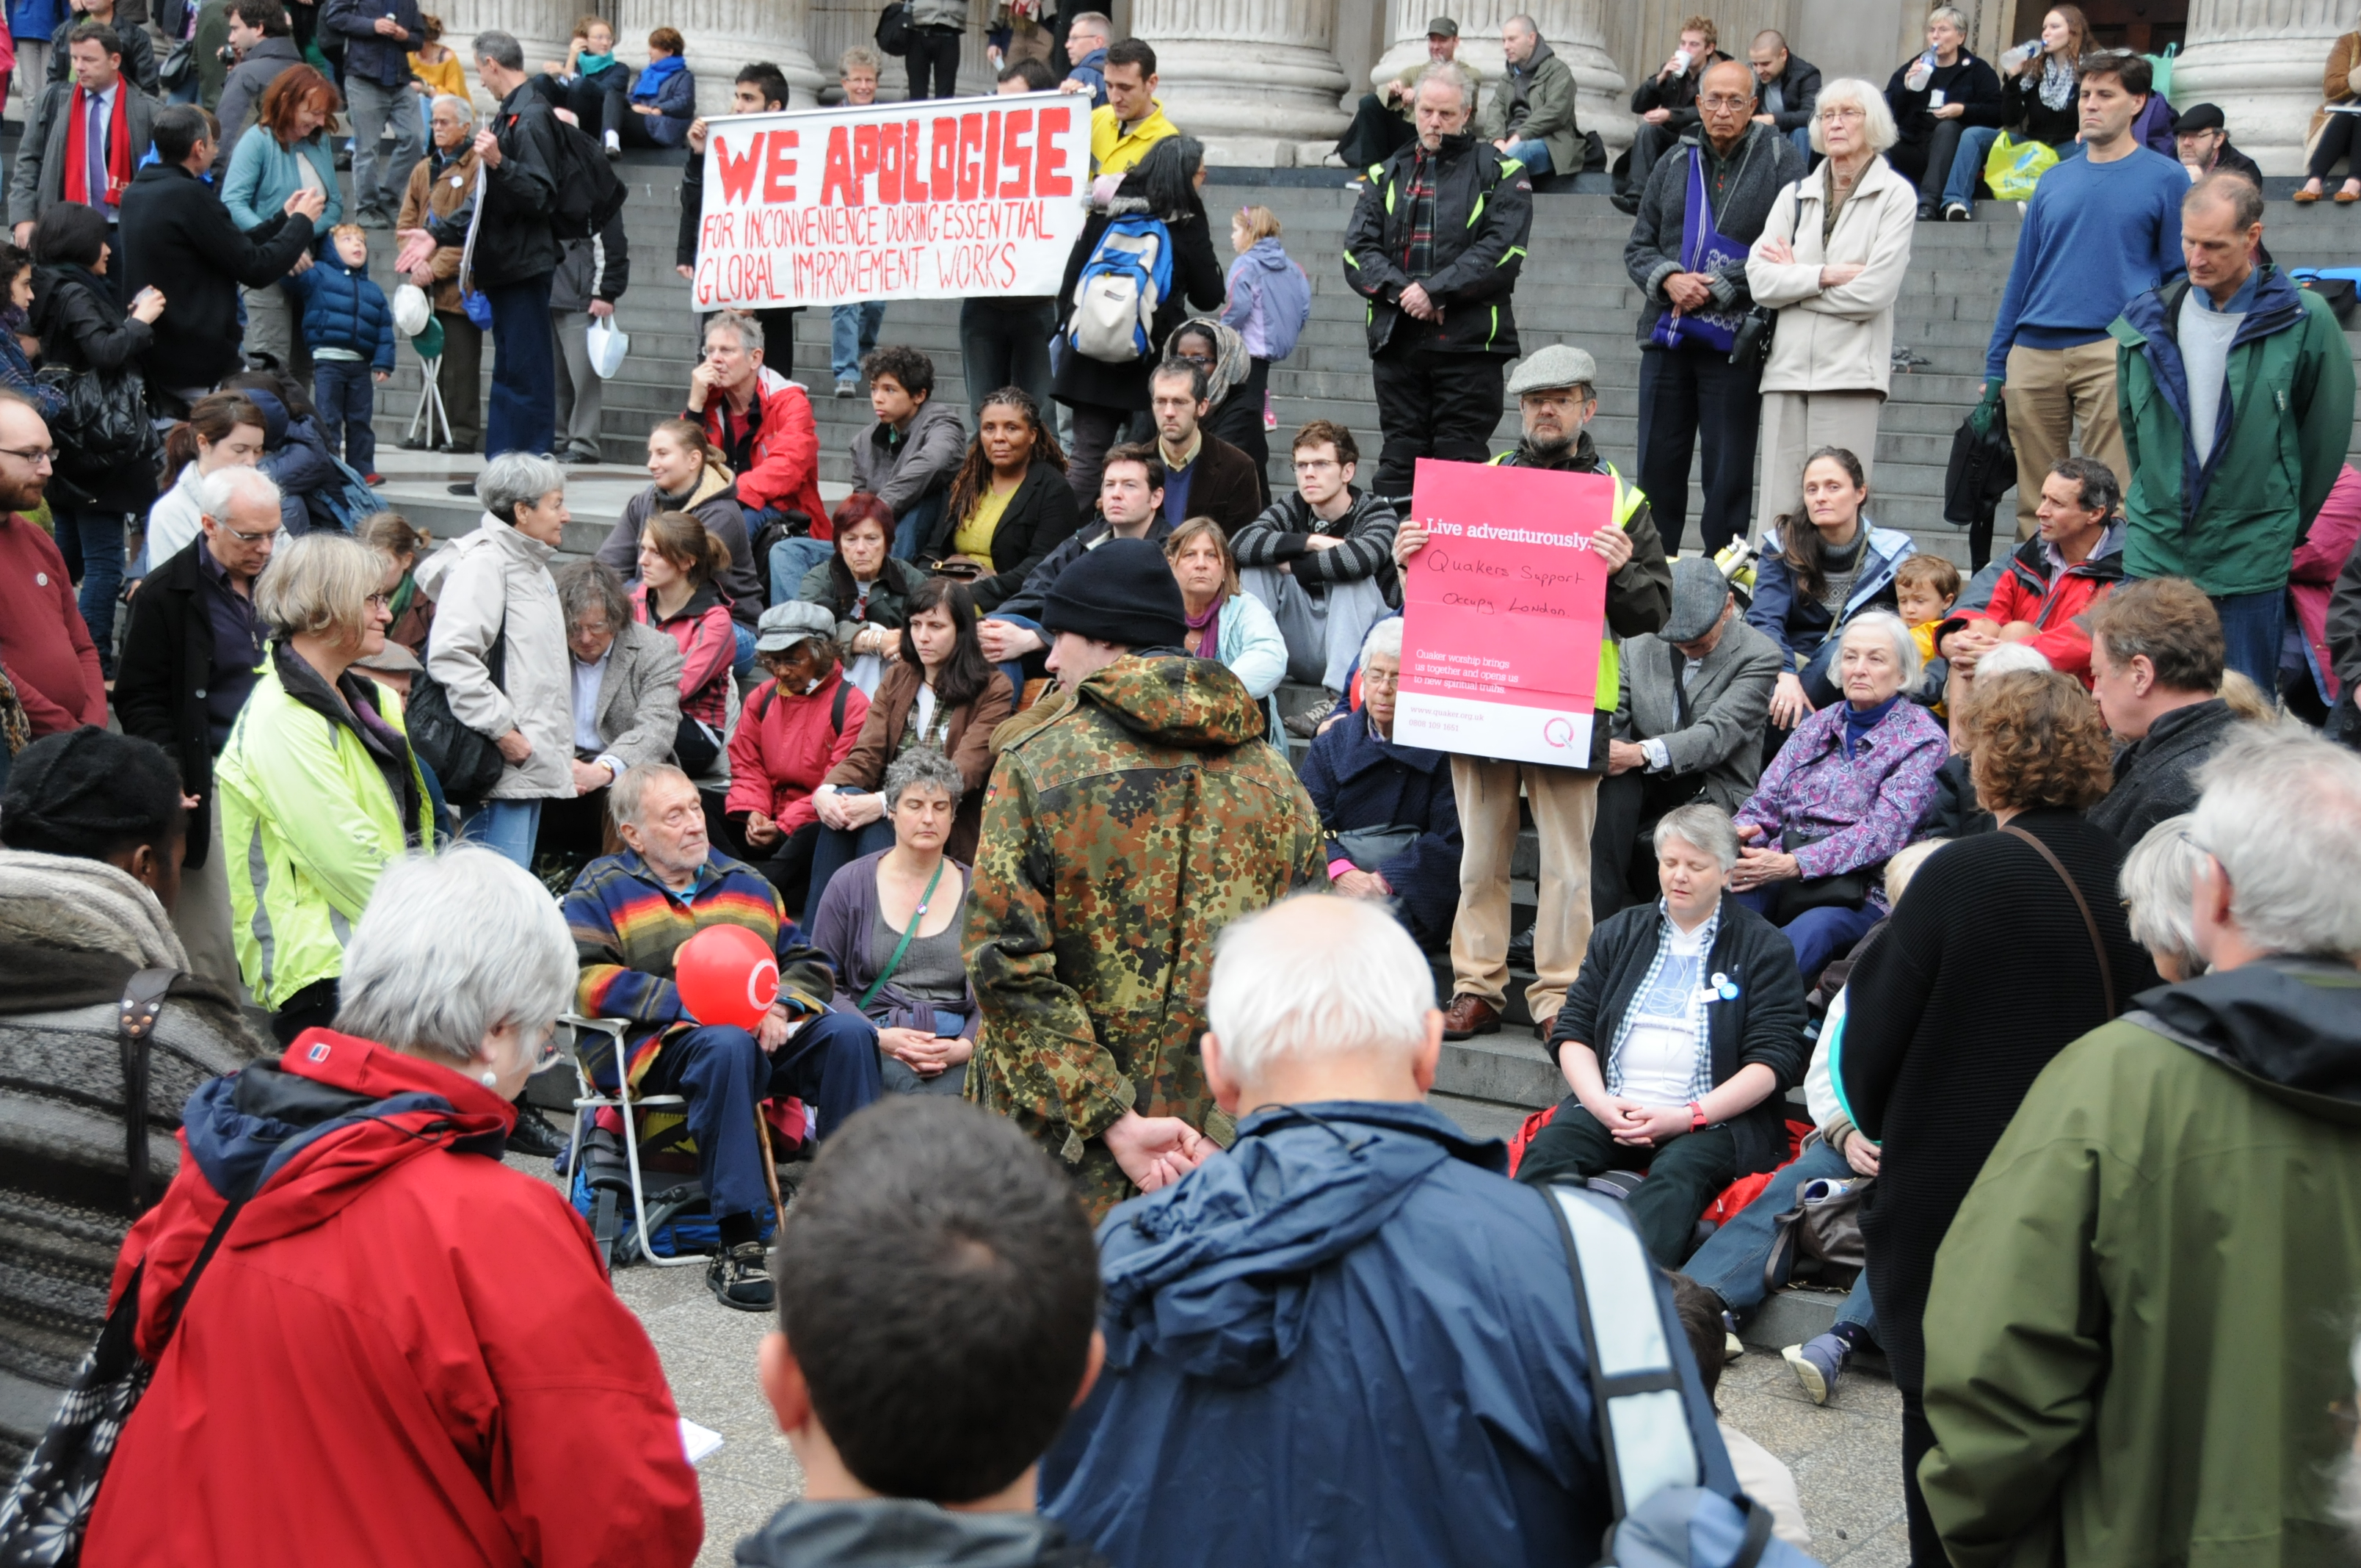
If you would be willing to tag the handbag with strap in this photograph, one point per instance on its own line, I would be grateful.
(1845, 890)
(466, 761)
(1823, 1228)
(2089, 921)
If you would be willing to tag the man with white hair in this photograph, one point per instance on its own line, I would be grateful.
(1353, 1330)
(2138, 1322)
(629, 914)
(189, 660)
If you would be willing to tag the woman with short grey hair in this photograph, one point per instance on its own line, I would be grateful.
(316, 786)
(890, 923)
(2160, 877)
(495, 602)
(393, 1290)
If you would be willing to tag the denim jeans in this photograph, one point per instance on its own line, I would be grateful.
(911, 529)
(1801, 137)
(851, 333)
(2251, 624)
(1533, 155)
(1819, 934)
(790, 559)
(1730, 1263)
(347, 399)
(92, 544)
(1968, 163)
(523, 412)
(743, 659)
(507, 827)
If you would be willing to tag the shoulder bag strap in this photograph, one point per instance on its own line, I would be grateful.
(836, 718)
(2090, 924)
(904, 945)
(143, 999)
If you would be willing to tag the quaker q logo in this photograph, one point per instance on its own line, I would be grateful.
(1558, 732)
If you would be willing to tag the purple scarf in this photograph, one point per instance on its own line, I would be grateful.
(1210, 645)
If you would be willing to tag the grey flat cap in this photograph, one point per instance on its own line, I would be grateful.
(1559, 365)
(785, 625)
(1699, 591)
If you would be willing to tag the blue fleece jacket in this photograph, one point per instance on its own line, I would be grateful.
(2096, 237)
(343, 308)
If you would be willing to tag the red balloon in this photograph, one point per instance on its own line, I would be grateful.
(726, 975)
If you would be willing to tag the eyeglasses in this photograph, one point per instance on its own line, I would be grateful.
(1380, 680)
(1315, 464)
(1843, 112)
(375, 601)
(265, 536)
(1726, 105)
(39, 456)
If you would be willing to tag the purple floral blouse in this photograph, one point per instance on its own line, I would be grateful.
(1861, 810)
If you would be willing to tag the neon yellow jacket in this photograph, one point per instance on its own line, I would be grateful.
(309, 818)
(1116, 146)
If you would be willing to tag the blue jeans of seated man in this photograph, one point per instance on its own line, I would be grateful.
(1968, 163)
(509, 827)
(851, 333)
(1730, 1263)
(830, 1065)
(1819, 934)
(2251, 626)
(1533, 155)
(790, 559)
(743, 659)
(1801, 137)
(911, 529)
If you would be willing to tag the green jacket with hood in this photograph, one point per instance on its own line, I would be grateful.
(318, 791)
(2143, 1311)
(2230, 523)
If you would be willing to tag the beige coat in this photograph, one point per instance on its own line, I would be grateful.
(1842, 339)
(492, 582)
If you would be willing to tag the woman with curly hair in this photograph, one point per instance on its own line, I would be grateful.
(1009, 505)
(2006, 948)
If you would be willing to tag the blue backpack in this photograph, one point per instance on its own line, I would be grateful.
(1676, 1503)
(1127, 276)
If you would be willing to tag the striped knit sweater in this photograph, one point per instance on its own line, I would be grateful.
(1281, 532)
(627, 925)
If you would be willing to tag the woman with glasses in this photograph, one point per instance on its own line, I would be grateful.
(401, 1339)
(318, 788)
(1830, 260)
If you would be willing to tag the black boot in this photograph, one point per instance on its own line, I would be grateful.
(533, 1135)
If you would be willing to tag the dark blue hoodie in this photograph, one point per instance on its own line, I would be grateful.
(1350, 1340)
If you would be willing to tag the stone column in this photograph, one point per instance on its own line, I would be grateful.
(724, 35)
(1575, 30)
(2261, 61)
(1254, 80)
(542, 27)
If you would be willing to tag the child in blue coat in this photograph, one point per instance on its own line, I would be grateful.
(348, 327)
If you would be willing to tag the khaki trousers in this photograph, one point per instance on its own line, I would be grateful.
(1796, 425)
(1566, 805)
(201, 916)
(2050, 393)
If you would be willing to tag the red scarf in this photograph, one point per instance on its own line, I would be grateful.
(118, 150)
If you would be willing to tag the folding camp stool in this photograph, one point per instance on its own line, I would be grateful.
(589, 1044)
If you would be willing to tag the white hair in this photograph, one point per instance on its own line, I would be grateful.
(2010, 658)
(626, 795)
(1385, 637)
(1316, 975)
(2158, 879)
(1702, 825)
(1905, 865)
(1877, 120)
(1895, 629)
(460, 106)
(2281, 813)
(451, 947)
(232, 482)
(517, 478)
(1451, 74)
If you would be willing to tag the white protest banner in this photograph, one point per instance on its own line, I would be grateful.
(933, 200)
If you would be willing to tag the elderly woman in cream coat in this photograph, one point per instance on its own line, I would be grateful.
(491, 585)
(1833, 282)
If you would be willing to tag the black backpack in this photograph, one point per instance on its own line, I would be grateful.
(590, 192)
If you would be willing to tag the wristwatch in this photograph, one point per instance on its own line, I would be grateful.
(1696, 1117)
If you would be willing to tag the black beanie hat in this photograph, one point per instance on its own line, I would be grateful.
(1123, 592)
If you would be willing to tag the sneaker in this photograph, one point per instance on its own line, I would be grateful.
(740, 1278)
(1303, 725)
(533, 1135)
(1958, 213)
(464, 488)
(1732, 1347)
(847, 386)
(1818, 1364)
(577, 459)
(372, 478)
(614, 144)
(374, 219)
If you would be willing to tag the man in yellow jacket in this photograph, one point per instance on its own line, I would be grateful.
(1131, 120)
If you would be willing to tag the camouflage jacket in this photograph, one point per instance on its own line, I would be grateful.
(1127, 823)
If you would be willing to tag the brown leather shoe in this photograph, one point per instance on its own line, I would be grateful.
(1468, 1016)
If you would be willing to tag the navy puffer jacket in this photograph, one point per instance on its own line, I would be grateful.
(343, 308)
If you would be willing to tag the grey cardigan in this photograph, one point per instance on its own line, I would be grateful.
(1767, 163)
(1715, 726)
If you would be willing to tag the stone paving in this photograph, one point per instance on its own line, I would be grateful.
(1846, 1457)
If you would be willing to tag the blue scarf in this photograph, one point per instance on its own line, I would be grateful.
(659, 71)
(1859, 721)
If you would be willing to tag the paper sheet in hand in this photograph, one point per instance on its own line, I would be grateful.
(1504, 610)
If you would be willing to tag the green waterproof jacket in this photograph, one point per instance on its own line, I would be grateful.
(2230, 523)
(2144, 1311)
(318, 790)
(1549, 110)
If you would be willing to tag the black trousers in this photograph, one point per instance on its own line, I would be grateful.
(1434, 404)
(787, 865)
(1650, 142)
(1239, 422)
(934, 51)
(1929, 163)
(1684, 1175)
(1693, 399)
(314, 1006)
(2335, 142)
(1376, 134)
(1918, 1441)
